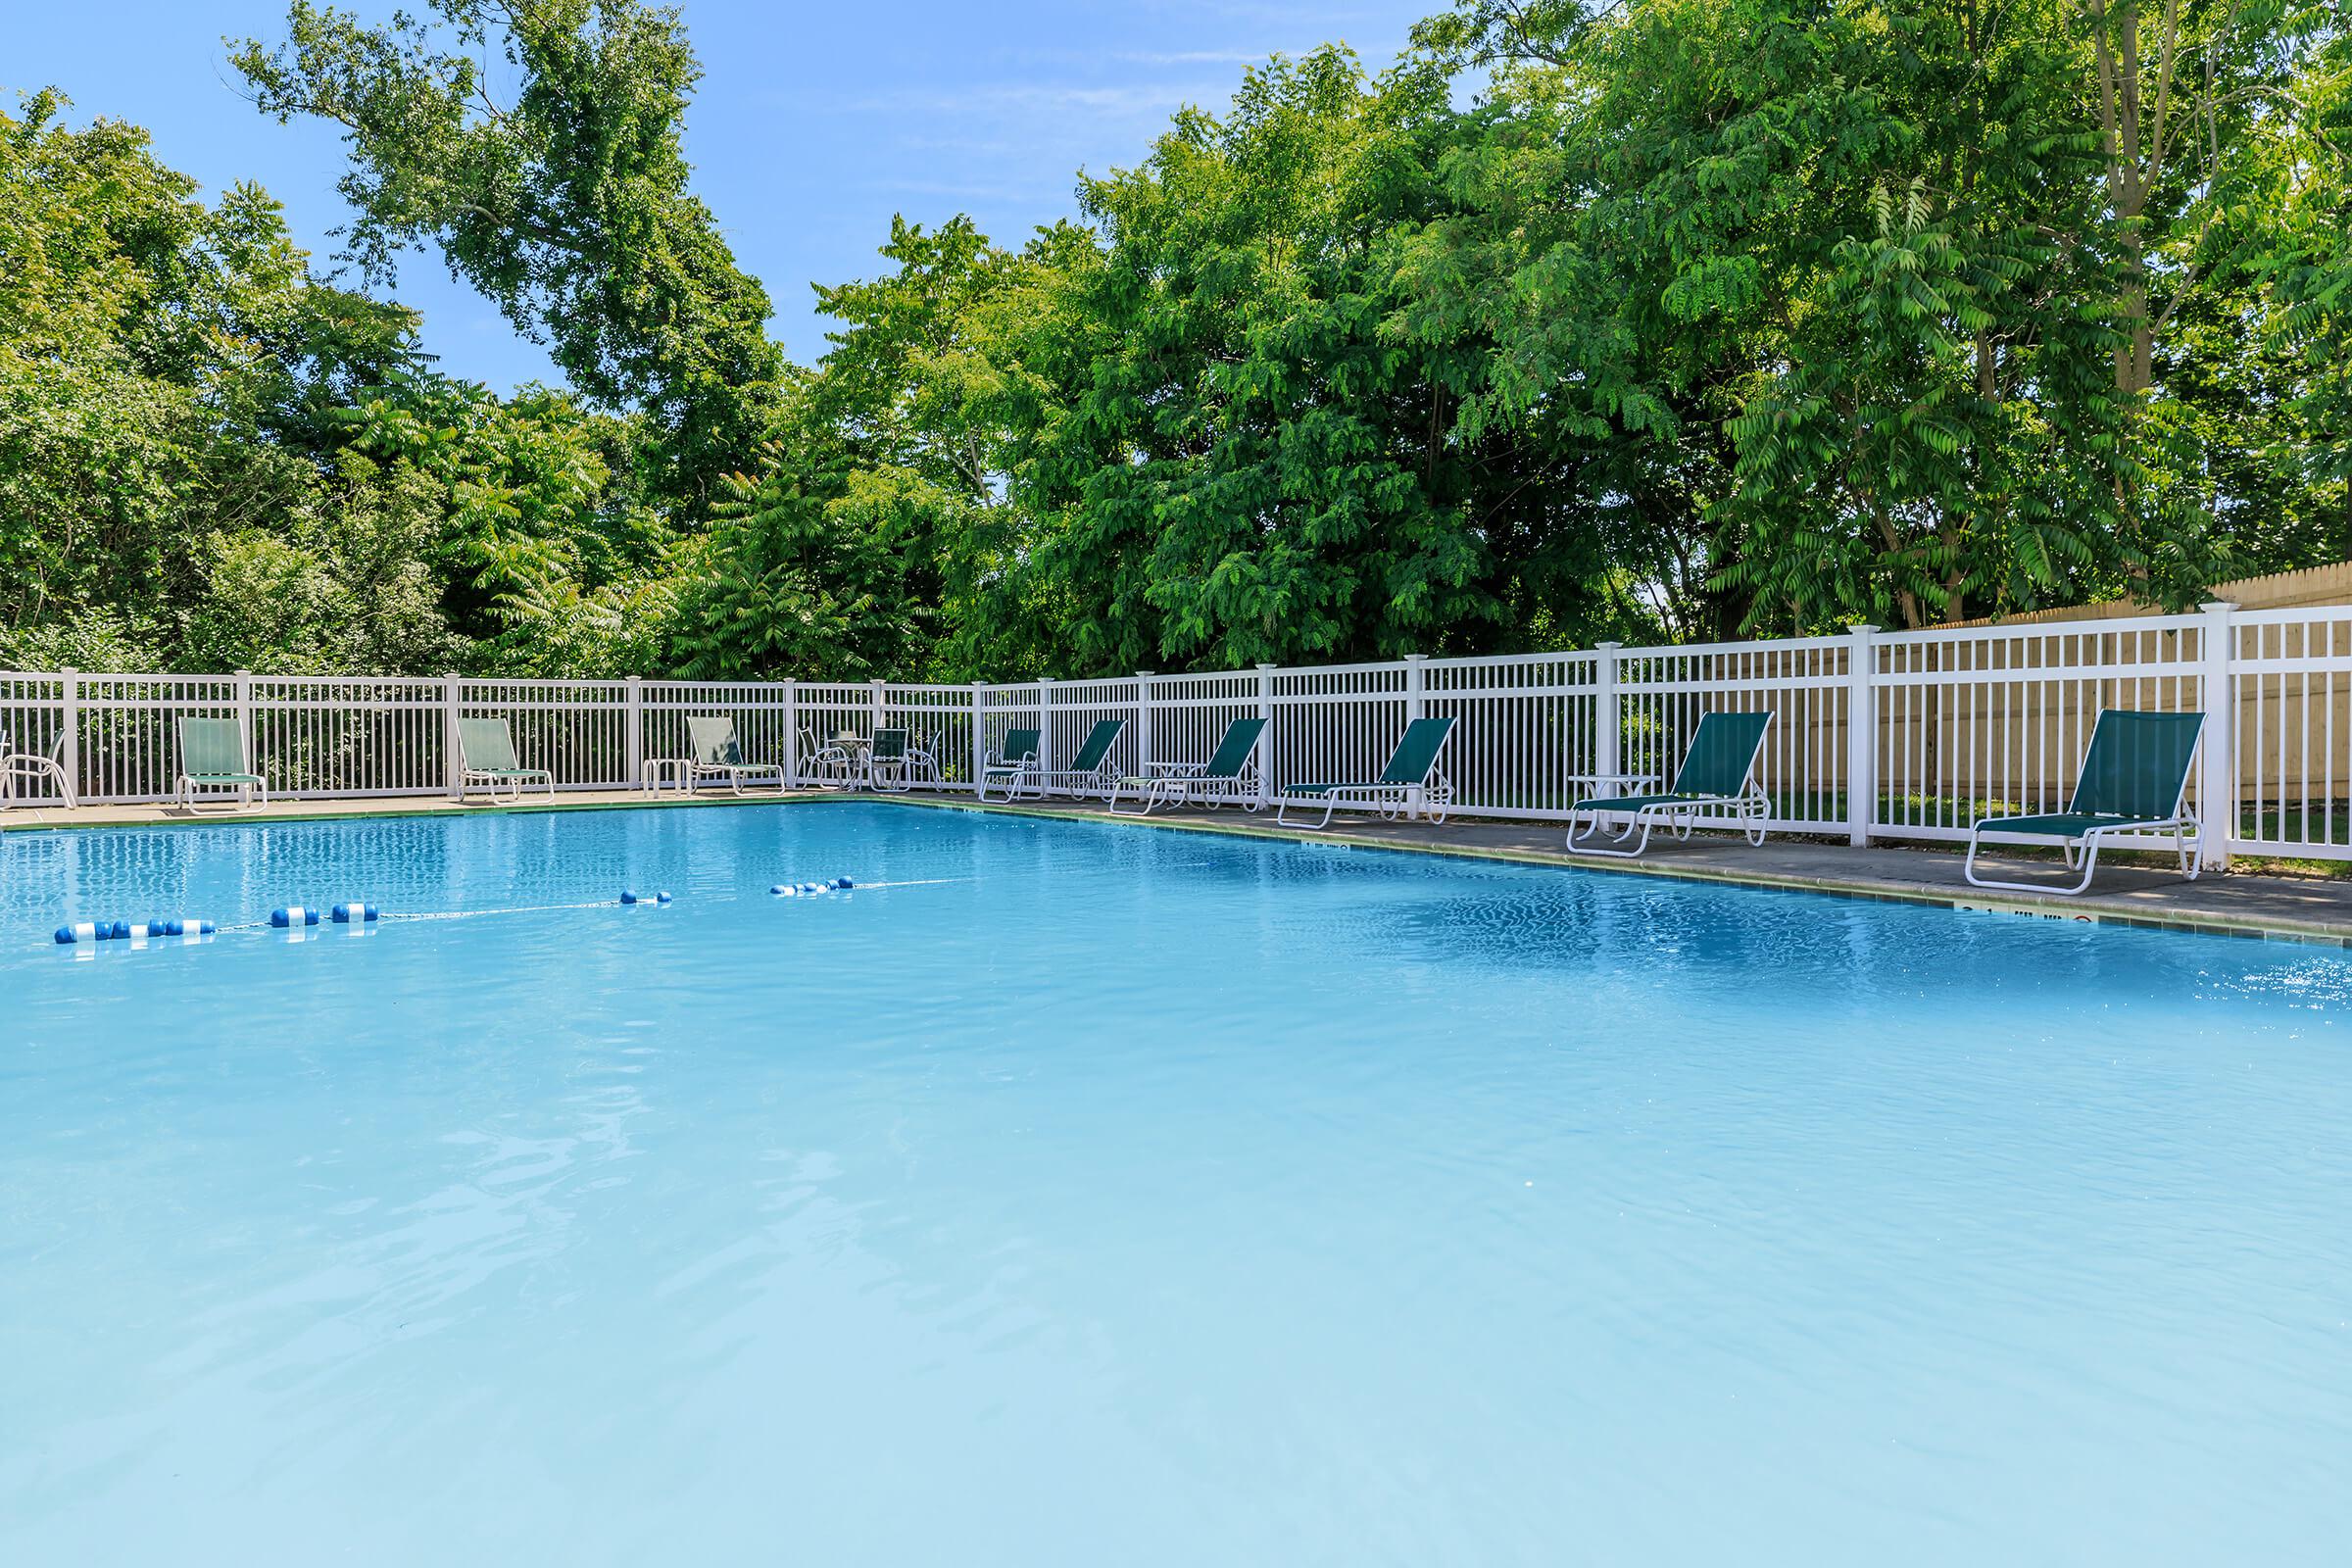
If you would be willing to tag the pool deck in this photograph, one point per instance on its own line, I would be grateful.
(2237, 903)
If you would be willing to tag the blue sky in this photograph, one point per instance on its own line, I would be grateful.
(813, 125)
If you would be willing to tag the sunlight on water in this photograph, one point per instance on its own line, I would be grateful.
(1129, 1197)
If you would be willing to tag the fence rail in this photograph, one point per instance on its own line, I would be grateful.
(1877, 735)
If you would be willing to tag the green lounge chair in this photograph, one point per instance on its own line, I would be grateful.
(1015, 767)
(211, 757)
(486, 756)
(2135, 779)
(1090, 772)
(716, 754)
(1411, 782)
(1716, 785)
(1230, 776)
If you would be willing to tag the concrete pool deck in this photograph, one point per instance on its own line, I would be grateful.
(2236, 903)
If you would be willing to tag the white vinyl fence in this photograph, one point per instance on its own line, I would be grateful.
(1876, 735)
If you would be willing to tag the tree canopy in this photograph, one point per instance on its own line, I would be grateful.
(1650, 320)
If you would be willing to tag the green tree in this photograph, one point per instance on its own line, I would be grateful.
(931, 391)
(805, 573)
(567, 206)
(346, 589)
(1863, 241)
(165, 371)
(1238, 464)
(2294, 242)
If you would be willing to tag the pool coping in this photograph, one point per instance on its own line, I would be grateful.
(2092, 908)
(2083, 908)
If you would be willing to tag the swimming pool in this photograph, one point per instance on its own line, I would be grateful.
(1105, 1195)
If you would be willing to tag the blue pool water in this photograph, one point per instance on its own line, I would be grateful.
(1121, 1196)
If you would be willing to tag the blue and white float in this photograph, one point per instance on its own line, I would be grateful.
(186, 925)
(293, 914)
(354, 914)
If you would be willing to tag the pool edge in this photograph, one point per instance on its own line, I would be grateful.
(2092, 908)
(2051, 907)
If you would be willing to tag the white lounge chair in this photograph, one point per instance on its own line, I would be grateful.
(486, 757)
(1411, 781)
(1090, 772)
(211, 757)
(1015, 768)
(2135, 779)
(1715, 785)
(1228, 778)
(45, 767)
(716, 754)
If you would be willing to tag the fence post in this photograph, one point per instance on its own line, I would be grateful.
(632, 745)
(1045, 730)
(68, 757)
(792, 733)
(979, 734)
(1416, 707)
(1265, 737)
(245, 723)
(453, 762)
(1608, 724)
(1861, 735)
(2217, 784)
(1142, 723)
(881, 710)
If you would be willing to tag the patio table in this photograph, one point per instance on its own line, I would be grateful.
(1614, 781)
(678, 770)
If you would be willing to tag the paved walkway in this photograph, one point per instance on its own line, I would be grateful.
(2299, 908)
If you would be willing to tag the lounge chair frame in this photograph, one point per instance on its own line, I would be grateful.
(1411, 782)
(922, 761)
(486, 759)
(2106, 807)
(824, 764)
(1687, 807)
(1015, 766)
(1091, 771)
(713, 752)
(1229, 778)
(893, 760)
(48, 766)
(205, 744)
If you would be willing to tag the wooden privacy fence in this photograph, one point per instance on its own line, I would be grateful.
(1876, 735)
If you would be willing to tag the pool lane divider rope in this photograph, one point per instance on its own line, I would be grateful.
(359, 914)
(842, 884)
